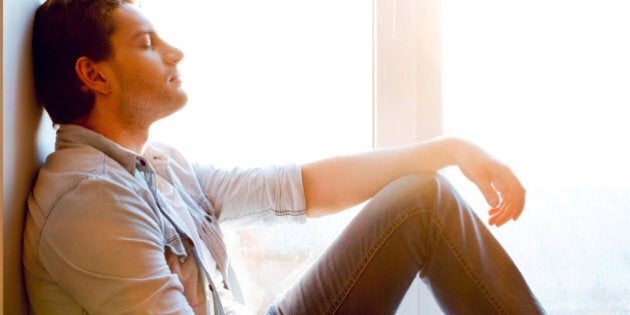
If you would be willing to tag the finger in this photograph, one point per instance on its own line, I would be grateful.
(496, 214)
(519, 204)
(504, 215)
(511, 190)
(501, 214)
(489, 193)
(514, 198)
(493, 215)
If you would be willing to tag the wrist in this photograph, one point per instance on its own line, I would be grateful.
(456, 150)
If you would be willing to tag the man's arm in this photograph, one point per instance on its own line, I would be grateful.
(335, 184)
(103, 246)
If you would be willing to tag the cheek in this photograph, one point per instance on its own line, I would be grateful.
(144, 71)
(143, 77)
(144, 67)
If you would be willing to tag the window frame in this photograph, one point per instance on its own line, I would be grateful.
(408, 92)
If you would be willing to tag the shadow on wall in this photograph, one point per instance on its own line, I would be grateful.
(25, 144)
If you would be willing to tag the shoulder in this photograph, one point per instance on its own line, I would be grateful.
(82, 175)
(65, 169)
(165, 157)
(91, 205)
(158, 150)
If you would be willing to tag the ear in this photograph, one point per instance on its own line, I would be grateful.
(92, 76)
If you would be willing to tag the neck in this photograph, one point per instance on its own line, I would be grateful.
(132, 140)
(131, 137)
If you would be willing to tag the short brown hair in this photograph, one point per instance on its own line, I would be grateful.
(64, 31)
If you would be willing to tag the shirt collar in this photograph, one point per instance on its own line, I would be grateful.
(73, 136)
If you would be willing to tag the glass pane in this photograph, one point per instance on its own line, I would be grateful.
(543, 85)
(271, 82)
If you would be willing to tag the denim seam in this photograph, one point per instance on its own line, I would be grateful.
(466, 266)
(370, 254)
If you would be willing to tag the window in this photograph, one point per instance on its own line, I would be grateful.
(540, 84)
(544, 86)
(271, 82)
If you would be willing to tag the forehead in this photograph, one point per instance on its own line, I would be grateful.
(129, 21)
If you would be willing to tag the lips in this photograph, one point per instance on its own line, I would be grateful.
(175, 78)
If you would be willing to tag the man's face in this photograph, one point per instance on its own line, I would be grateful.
(146, 83)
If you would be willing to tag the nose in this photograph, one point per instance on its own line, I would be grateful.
(173, 55)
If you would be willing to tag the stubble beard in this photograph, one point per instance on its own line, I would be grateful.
(143, 109)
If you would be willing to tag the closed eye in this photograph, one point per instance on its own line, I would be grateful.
(147, 41)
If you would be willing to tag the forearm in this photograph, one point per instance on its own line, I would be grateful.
(337, 183)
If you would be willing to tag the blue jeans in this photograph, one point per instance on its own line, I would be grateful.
(418, 224)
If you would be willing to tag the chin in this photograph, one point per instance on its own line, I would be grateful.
(182, 98)
(177, 104)
(182, 102)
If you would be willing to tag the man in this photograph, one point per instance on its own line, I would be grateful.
(119, 226)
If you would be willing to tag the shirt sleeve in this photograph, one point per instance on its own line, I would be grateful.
(248, 195)
(103, 245)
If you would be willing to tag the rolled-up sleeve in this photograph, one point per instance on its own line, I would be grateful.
(259, 194)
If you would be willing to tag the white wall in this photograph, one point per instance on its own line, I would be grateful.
(20, 153)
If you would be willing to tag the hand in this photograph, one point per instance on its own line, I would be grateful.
(498, 184)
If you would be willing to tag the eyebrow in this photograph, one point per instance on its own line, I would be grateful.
(143, 32)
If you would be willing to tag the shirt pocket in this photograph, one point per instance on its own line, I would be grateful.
(175, 244)
(178, 252)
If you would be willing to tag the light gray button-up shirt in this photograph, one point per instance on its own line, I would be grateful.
(96, 239)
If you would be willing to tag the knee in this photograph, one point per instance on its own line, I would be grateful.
(421, 190)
